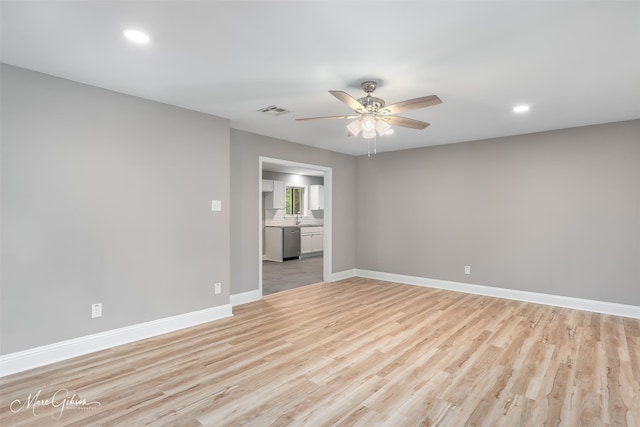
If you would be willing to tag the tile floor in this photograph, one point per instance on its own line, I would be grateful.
(280, 276)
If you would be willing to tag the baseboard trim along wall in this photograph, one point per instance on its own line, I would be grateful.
(47, 354)
(346, 274)
(245, 297)
(534, 297)
(28, 359)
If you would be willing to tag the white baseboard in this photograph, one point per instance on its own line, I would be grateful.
(44, 355)
(245, 297)
(534, 297)
(341, 275)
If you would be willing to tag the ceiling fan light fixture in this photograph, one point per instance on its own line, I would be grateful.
(369, 133)
(382, 127)
(355, 127)
(368, 123)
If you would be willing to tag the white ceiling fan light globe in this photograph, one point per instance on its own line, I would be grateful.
(382, 127)
(368, 123)
(355, 127)
(369, 133)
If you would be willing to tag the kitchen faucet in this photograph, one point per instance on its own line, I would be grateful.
(298, 218)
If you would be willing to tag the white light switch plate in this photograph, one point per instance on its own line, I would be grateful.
(216, 205)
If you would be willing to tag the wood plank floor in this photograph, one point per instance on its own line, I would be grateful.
(354, 352)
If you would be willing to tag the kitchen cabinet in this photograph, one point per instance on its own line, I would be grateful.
(273, 244)
(274, 199)
(282, 243)
(316, 197)
(311, 239)
(278, 195)
(267, 186)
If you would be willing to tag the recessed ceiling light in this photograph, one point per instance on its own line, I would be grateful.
(136, 36)
(521, 109)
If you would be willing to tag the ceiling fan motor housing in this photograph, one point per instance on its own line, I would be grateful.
(371, 103)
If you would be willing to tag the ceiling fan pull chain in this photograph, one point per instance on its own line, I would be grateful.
(375, 144)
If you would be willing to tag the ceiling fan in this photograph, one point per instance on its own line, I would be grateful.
(374, 116)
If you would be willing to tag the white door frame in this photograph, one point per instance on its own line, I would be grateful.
(326, 243)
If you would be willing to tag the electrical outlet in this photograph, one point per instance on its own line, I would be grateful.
(96, 310)
(218, 288)
(467, 269)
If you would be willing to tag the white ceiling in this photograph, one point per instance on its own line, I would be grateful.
(575, 63)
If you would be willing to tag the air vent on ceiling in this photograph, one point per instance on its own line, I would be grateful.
(274, 110)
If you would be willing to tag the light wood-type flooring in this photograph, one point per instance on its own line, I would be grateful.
(357, 352)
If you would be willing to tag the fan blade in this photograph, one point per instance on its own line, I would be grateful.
(349, 100)
(411, 104)
(327, 117)
(405, 122)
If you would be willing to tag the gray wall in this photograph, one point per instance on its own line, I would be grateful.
(555, 212)
(106, 198)
(246, 148)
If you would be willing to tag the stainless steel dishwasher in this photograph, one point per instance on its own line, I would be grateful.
(290, 242)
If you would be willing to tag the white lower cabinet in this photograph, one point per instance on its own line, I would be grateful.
(273, 244)
(311, 239)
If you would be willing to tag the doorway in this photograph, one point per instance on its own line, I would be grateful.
(306, 266)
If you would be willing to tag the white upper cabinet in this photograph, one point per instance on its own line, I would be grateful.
(267, 186)
(275, 198)
(316, 197)
(278, 195)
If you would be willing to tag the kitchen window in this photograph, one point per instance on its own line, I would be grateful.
(294, 200)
